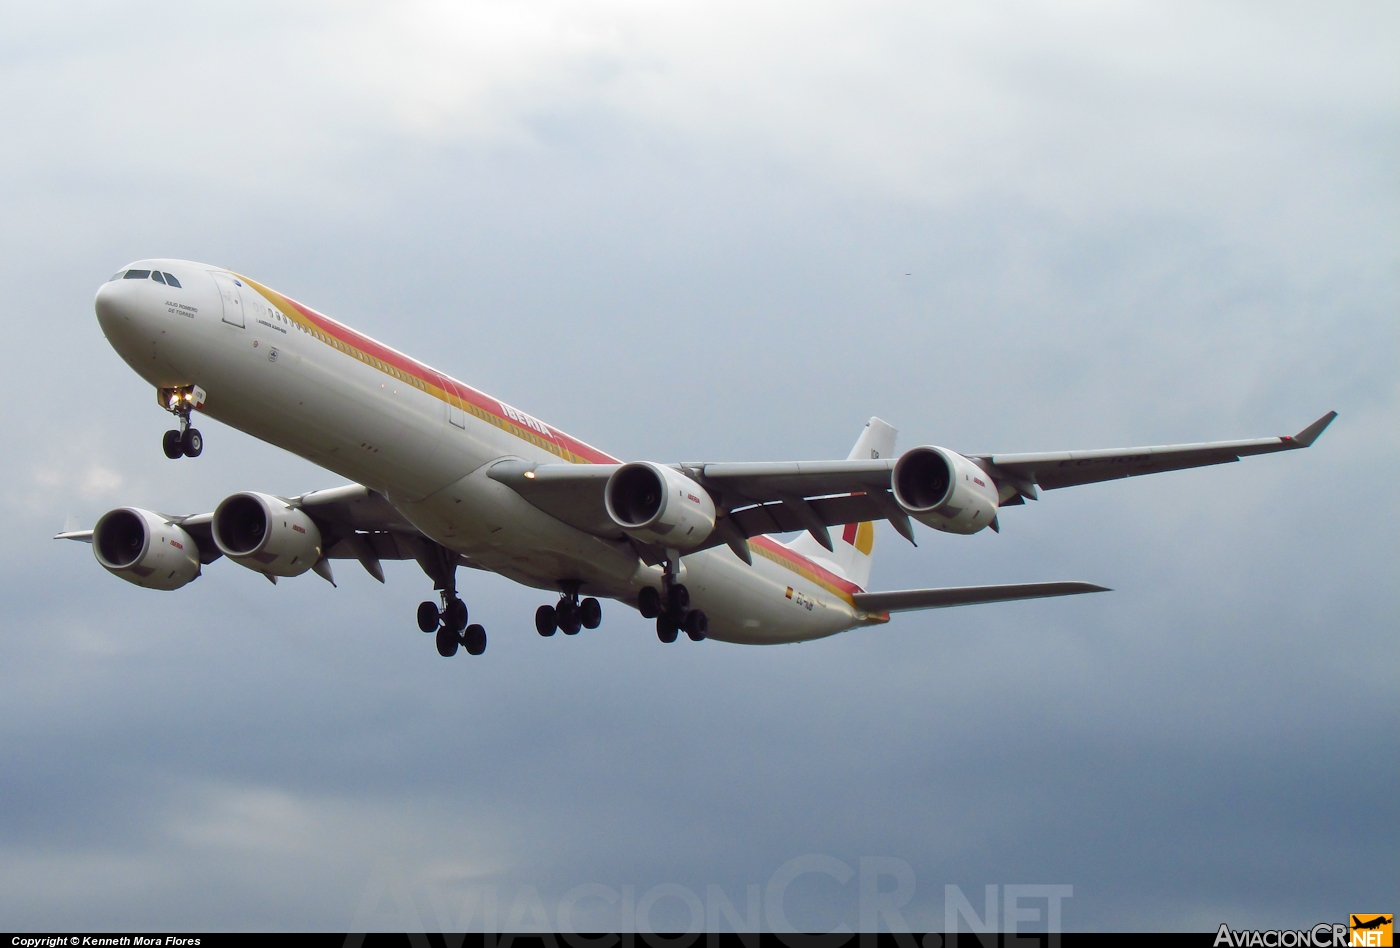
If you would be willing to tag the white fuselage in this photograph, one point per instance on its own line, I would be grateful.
(290, 376)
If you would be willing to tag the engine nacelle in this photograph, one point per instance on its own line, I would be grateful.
(144, 548)
(944, 490)
(266, 534)
(658, 504)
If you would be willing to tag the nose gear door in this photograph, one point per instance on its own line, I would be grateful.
(231, 298)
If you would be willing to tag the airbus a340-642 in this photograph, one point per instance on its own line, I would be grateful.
(449, 476)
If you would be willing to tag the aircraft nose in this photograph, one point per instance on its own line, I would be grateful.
(125, 315)
(116, 305)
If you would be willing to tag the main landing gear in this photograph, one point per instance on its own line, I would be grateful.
(570, 614)
(672, 611)
(450, 624)
(185, 441)
(450, 621)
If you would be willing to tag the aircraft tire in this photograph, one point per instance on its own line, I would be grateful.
(697, 625)
(171, 445)
(568, 618)
(649, 602)
(455, 615)
(546, 621)
(590, 613)
(680, 600)
(666, 629)
(428, 616)
(447, 642)
(192, 443)
(474, 639)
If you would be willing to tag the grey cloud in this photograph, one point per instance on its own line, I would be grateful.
(1130, 239)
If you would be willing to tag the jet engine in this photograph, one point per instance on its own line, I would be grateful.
(144, 548)
(944, 490)
(658, 504)
(266, 534)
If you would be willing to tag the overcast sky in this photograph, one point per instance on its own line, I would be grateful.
(730, 232)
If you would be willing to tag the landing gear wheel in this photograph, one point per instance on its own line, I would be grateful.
(454, 616)
(649, 603)
(171, 445)
(192, 442)
(666, 629)
(590, 613)
(567, 615)
(545, 621)
(680, 600)
(697, 625)
(447, 642)
(474, 639)
(428, 616)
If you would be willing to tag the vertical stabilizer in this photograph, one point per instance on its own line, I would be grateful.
(855, 542)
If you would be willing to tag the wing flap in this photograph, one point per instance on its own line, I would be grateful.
(831, 511)
(744, 482)
(379, 545)
(905, 600)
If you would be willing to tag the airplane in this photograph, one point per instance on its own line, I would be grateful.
(1379, 921)
(450, 477)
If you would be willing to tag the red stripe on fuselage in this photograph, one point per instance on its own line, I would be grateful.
(494, 407)
(795, 560)
(430, 376)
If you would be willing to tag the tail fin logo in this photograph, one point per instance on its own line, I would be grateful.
(860, 535)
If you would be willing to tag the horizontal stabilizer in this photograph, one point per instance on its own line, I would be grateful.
(84, 535)
(907, 599)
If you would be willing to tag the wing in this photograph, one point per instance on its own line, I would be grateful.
(360, 524)
(1072, 468)
(753, 499)
(572, 493)
(905, 600)
(356, 523)
(782, 497)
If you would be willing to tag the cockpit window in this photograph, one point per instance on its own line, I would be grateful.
(137, 274)
(117, 275)
(170, 278)
(155, 275)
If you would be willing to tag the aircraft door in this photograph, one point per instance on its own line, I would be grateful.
(231, 298)
(455, 415)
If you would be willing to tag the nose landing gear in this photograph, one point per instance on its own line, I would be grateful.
(186, 441)
(170, 444)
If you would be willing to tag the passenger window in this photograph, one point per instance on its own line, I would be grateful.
(155, 275)
(170, 279)
(137, 274)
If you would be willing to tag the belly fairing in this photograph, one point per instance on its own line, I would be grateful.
(497, 529)
(763, 604)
